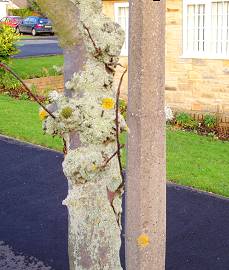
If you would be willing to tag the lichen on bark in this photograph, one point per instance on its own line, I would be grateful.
(85, 118)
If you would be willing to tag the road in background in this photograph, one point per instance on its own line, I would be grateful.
(38, 46)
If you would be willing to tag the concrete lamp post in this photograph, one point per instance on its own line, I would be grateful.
(146, 174)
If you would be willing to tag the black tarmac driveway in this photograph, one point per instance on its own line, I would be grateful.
(33, 222)
(38, 46)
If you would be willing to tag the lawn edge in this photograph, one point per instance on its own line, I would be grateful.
(36, 56)
(168, 182)
(195, 190)
(20, 141)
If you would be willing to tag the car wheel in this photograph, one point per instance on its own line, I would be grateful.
(18, 30)
(34, 32)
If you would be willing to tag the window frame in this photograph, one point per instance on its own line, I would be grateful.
(117, 5)
(207, 54)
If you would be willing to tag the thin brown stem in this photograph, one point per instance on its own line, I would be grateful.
(5, 67)
(110, 158)
(98, 50)
(117, 127)
(118, 64)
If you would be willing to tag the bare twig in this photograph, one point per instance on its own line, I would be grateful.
(118, 64)
(109, 68)
(5, 67)
(117, 128)
(115, 64)
(110, 158)
(65, 151)
(98, 50)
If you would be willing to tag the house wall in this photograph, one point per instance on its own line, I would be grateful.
(108, 9)
(5, 5)
(19, 3)
(3, 10)
(191, 84)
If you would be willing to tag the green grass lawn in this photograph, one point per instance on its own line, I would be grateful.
(35, 67)
(29, 36)
(192, 160)
(19, 119)
(198, 161)
(26, 37)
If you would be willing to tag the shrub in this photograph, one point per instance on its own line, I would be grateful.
(22, 12)
(186, 121)
(33, 5)
(210, 121)
(8, 39)
(59, 70)
(23, 96)
(8, 82)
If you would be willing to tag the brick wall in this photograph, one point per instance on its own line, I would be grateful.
(47, 84)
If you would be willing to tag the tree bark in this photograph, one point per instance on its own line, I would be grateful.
(146, 186)
(85, 117)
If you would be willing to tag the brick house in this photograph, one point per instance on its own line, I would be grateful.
(197, 52)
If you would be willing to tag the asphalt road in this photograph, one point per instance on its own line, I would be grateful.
(38, 46)
(33, 222)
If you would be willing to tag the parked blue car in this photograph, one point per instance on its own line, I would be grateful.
(35, 25)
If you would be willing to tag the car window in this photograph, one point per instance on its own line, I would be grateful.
(32, 20)
(43, 20)
(26, 20)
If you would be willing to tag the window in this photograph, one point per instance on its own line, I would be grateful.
(122, 18)
(32, 20)
(206, 28)
(26, 20)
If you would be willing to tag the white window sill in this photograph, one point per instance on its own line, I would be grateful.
(207, 57)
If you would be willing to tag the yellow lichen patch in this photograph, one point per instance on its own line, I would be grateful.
(94, 167)
(42, 114)
(143, 240)
(67, 112)
(108, 103)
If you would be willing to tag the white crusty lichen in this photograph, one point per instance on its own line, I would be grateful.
(94, 215)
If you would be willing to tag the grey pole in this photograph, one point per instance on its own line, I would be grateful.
(146, 173)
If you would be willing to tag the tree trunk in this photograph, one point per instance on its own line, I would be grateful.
(145, 187)
(85, 117)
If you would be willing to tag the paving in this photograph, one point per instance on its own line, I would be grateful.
(33, 222)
